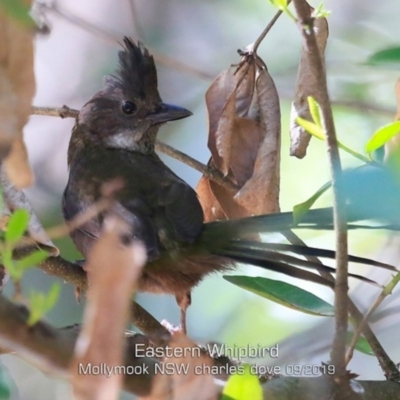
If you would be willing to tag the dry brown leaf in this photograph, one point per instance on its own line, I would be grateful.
(195, 383)
(230, 94)
(244, 115)
(305, 86)
(225, 200)
(112, 272)
(260, 194)
(17, 164)
(17, 87)
(246, 137)
(15, 199)
(211, 208)
(224, 133)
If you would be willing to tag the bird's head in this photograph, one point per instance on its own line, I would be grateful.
(126, 114)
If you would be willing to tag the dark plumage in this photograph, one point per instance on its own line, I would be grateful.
(114, 137)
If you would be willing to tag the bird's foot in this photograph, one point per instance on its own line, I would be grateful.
(172, 329)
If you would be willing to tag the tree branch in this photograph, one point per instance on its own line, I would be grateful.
(305, 22)
(52, 349)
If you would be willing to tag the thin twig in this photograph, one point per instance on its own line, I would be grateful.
(114, 37)
(388, 366)
(63, 112)
(386, 291)
(209, 172)
(256, 44)
(305, 22)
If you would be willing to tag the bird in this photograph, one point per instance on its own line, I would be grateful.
(114, 138)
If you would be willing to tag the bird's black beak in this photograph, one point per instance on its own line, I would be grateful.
(168, 112)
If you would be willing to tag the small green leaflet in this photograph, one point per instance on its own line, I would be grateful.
(311, 128)
(299, 210)
(243, 386)
(283, 293)
(41, 303)
(280, 4)
(315, 111)
(16, 226)
(382, 135)
(390, 56)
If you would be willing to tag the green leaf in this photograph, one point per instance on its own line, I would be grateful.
(320, 12)
(390, 56)
(41, 303)
(312, 128)
(280, 4)
(362, 344)
(285, 294)
(382, 135)
(32, 260)
(19, 11)
(315, 111)
(299, 210)
(243, 386)
(16, 226)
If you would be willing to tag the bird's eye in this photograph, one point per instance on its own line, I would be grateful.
(128, 107)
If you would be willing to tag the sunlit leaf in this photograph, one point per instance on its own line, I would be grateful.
(315, 110)
(280, 4)
(16, 226)
(320, 11)
(284, 294)
(390, 56)
(243, 386)
(311, 128)
(299, 210)
(41, 303)
(382, 135)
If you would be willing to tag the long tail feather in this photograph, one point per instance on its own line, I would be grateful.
(282, 263)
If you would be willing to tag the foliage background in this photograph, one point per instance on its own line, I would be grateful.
(69, 65)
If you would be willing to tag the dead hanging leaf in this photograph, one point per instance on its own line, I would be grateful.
(112, 272)
(192, 378)
(17, 87)
(244, 126)
(305, 86)
(260, 194)
(210, 205)
(15, 199)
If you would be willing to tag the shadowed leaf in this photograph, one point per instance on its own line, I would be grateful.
(390, 56)
(284, 294)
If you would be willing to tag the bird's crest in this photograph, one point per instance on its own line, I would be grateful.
(137, 74)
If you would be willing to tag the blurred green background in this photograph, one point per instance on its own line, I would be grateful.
(70, 62)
